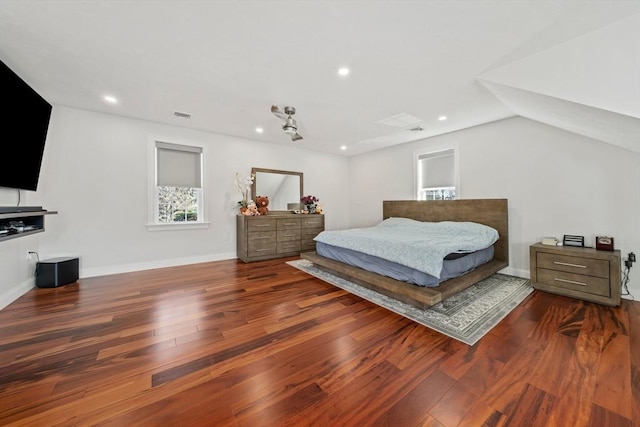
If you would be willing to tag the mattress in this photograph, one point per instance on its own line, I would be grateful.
(421, 246)
(453, 266)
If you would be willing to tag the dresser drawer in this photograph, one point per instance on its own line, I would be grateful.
(259, 248)
(310, 233)
(313, 221)
(261, 237)
(288, 223)
(308, 245)
(290, 246)
(261, 225)
(576, 282)
(288, 235)
(573, 264)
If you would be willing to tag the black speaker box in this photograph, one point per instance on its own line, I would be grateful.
(56, 272)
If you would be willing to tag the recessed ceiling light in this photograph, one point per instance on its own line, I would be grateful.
(259, 130)
(442, 118)
(110, 99)
(344, 71)
(343, 147)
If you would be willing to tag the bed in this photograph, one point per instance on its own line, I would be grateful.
(488, 212)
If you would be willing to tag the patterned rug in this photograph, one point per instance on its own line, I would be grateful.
(466, 316)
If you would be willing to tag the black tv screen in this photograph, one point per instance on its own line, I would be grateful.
(25, 120)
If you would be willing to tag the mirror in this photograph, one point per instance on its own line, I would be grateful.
(284, 188)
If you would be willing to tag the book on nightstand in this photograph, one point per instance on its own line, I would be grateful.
(550, 241)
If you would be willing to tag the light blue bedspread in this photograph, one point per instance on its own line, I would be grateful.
(416, 244)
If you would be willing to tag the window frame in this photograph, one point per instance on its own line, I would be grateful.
(417, 177)
(153, 193)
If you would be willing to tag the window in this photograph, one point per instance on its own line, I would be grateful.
(178, 193)
(436, 175)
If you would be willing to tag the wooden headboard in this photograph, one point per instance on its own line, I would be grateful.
(491, 212)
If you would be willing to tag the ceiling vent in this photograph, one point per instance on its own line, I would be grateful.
(400, 120)
(181, 115)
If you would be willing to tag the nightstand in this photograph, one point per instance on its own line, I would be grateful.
(582, 273)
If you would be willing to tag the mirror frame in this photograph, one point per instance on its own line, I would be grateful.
(276, 171)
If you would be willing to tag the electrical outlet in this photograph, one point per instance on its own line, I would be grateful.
(631, 258)
(28, 256)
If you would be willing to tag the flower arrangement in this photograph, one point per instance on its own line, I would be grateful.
(310, 203)
(243, 185)
(309, 200)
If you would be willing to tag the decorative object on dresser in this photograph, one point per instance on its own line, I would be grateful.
(551, 241)
(262, 202)
(604, 243)
(582, 273)
(276, 235)
(576, 241)
(243, 185)
(310, 204)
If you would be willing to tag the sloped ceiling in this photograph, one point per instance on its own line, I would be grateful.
(589, 84)
(568, 63)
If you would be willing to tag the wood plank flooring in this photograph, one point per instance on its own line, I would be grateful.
(264, 344)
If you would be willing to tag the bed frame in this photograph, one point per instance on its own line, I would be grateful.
(491, 212)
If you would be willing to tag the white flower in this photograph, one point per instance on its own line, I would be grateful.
(244, 185)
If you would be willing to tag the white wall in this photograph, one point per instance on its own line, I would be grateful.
(94, 173)
(557, 183)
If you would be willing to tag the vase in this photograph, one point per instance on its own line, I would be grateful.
(311, 208)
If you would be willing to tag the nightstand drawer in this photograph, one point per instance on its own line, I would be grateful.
(574, 264)
(576, 282)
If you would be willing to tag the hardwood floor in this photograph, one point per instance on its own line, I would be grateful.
(264, 344)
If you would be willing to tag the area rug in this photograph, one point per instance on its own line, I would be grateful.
(466, 316)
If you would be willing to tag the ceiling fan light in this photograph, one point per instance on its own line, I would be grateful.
(289, 130)
(290, 127)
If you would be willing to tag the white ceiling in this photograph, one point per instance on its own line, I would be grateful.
(227, 62)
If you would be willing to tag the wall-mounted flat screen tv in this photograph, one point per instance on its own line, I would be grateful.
(25, 123)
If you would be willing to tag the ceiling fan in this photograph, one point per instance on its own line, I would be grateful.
(289, 125)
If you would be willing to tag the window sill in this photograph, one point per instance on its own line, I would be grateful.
(177, 226)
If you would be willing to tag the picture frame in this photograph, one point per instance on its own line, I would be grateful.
(571, 240)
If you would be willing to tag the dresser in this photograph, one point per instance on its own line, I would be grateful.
(582, 273)
(276, 235)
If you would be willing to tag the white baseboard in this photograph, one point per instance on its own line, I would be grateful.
(127, 268)
(516, 272)
(16, 292)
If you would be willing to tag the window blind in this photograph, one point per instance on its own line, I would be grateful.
(178, 165)
(437, 169)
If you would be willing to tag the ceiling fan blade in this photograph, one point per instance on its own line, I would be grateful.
(296, 137)
(276, 111)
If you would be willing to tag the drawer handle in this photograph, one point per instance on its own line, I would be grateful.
(262, 238)
(262, 250)
(570, 281)
(289, 223)
(569, 265)
(289, 235)
(263, 225)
